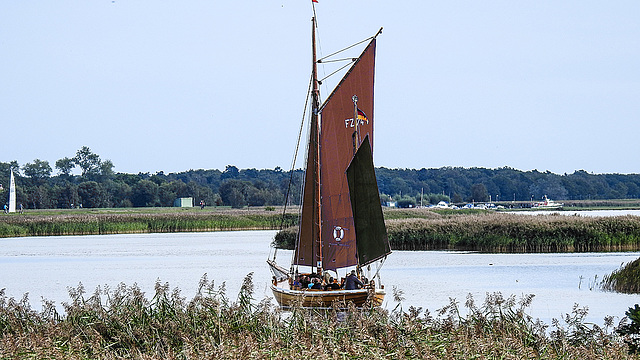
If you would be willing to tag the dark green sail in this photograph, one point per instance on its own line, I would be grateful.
(371, 233)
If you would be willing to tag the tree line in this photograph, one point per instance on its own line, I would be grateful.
(97, 185)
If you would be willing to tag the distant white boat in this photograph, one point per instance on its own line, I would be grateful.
(547, 204)
(12, 194)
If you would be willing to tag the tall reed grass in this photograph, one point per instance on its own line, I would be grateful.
(625, 280)
(500, 232)
(123, 323)
(516, 233)
(113, 223)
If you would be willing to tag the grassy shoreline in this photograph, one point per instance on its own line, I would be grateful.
(139, 220)
(495, 232)
(489, 231)
(408, 229)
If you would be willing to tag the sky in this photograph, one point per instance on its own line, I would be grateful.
(201, 84)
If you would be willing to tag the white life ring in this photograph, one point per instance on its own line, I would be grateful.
(338, 233)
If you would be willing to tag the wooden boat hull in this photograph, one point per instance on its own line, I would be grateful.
(287, 298)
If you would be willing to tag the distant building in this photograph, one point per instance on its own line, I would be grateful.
(183, 202)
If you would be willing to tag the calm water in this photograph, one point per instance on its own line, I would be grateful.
(47, 266)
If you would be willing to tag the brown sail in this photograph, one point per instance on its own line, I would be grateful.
(338, 141)
(305, 251)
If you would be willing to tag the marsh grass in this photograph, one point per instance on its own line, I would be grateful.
(93, 223)
(498, 232)
(124, 323)
(625, 280)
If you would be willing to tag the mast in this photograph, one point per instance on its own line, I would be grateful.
(356, 133)
(315, 107)
(308, 251)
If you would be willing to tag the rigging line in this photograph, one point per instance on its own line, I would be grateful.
(313, 5)
(295, 154)
(293, 162)
(378, 267)
(333, 73)
(347, 48)
(337, 60)
(322, 68)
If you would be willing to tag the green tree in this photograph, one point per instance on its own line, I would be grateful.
(106, 169)
(65, 166)
(118, 193)
(38, 171)
(38, 197)
(65, 196)
(479, 193)
(233, 192)
(230, 172)
(92, 195)
(166, 195)
(145, 193)
(88, 161)
(406, 201)
(400, 186)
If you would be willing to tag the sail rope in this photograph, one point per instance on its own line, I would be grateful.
(378, 267)
(333, 73)
(338, 60)
(293, 161)
(345, 49)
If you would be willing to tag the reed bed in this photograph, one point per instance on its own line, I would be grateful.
(124, 323)
(499, 232)
(503, 232)
(625, 280)
(115, 223)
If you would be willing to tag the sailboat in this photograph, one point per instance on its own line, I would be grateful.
(341, 231)
(12, 194)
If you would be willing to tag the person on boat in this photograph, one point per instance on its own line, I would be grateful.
(331, 285)
(326, 276)
(316, 285)
(352, 282)
(304, 282)
(296, 283)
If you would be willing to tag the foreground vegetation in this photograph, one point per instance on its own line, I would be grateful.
(124, 323)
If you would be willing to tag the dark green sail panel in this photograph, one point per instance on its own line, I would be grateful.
(371, 233)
